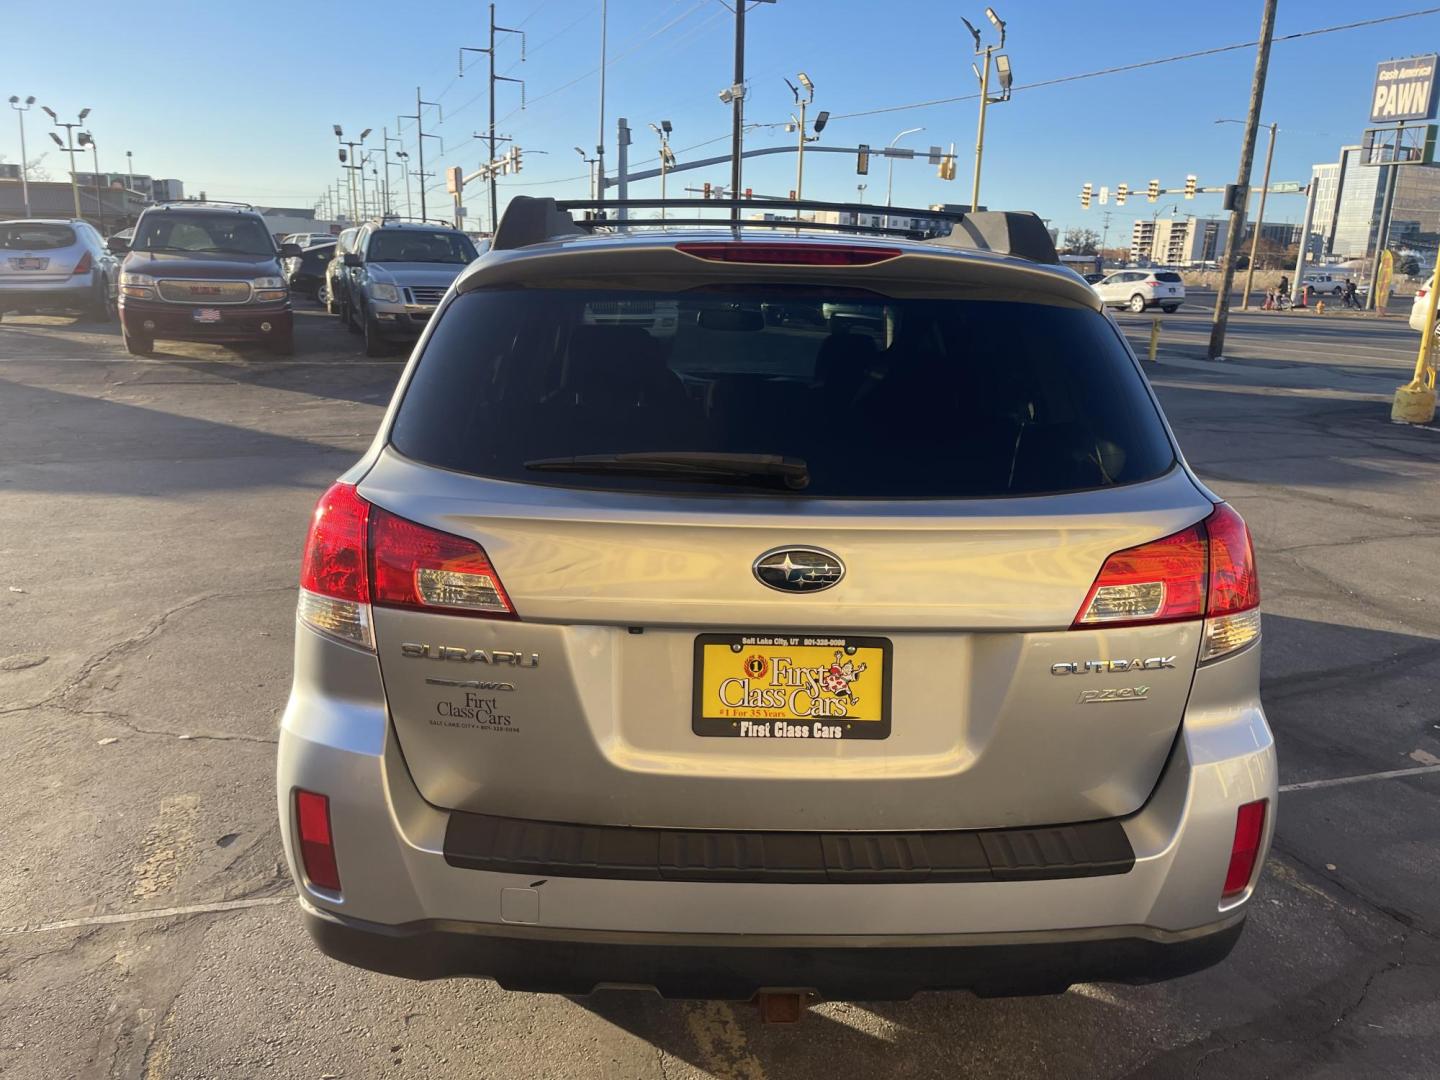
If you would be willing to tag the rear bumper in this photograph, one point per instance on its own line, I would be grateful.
(75, 292)
(238, 323)
(412, 906)
(855, 970)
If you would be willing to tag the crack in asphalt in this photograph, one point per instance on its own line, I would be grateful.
(72, 684)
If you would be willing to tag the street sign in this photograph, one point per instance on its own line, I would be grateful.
(1404, 90)
(935, 155)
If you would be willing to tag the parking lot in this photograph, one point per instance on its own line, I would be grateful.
(153, 515)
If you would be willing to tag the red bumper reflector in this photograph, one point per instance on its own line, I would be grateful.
(1249, 827)
(317, 847)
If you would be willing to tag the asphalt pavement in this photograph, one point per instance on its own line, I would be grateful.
(153, 512)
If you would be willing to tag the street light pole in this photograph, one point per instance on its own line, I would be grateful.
(1259, 222)
(890, 179)
(69, 147)
(1002, 63)
(600, 137)
(803, 103)
(86, 137)
(24, 164)
(667, 159)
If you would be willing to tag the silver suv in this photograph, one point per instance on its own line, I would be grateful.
(398, 272)
(784, 651)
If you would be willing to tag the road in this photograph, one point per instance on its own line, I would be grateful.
(153, 513)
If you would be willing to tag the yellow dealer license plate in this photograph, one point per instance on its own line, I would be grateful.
(792, 686)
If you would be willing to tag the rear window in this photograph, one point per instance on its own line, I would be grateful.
(1168, 276)
(878, 397)
(23, 237)
(414, 245)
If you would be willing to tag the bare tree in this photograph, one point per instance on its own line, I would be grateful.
(1080, 241)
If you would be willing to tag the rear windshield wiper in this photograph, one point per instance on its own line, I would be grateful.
(699, 464)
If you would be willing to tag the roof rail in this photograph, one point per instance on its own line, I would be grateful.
(168, 203)
(529, 220)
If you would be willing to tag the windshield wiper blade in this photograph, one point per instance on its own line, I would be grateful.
(793, 472)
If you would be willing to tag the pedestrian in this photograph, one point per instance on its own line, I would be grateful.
(1284, 289)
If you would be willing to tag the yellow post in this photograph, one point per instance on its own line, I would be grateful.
(1154, 338)
(1415, 401)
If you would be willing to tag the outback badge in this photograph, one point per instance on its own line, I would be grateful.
(799, 569)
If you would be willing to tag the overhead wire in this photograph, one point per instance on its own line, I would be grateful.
(1140, 64)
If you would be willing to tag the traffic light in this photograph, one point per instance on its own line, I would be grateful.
(517, 152)
(1190, 182)
(947, 167)
(1152, 192)
(792, 193)
(1122, 192)
(862, 160)
(749, 193)
(1085, 196)
(706, 189)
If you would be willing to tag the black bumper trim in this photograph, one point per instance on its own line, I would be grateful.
(555, 849)
(735, 972)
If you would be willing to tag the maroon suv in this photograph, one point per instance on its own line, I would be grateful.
(205, 272)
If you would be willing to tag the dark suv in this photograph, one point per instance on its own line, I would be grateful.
(205, 272)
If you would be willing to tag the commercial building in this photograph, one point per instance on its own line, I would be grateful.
(1350, 197)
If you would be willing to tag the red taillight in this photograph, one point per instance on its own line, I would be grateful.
(1162, 581)
(414, 566)
(1153, 284)
(83, 266)
(317, 845)
(789, 254)
(334, 562)
(1234, 585)
(1245, 849)
(1207, 570)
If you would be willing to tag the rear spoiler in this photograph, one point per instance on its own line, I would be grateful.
(1008, 232)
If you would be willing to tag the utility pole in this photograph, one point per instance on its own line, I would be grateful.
(420, 137)
(21, 110)
(600, 138)
(737, 108)
(1259, 222)
(494, 78)
(1216, 348)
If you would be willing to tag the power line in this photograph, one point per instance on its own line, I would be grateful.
(1216, 51)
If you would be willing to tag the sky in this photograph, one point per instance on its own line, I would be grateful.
(240, 101)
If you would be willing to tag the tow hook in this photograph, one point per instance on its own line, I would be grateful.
(782, 1006)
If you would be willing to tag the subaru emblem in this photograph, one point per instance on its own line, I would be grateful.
(799, 569)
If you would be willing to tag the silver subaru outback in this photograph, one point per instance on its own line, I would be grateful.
(863, 633)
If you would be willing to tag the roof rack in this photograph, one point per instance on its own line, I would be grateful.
(529, 220)
(221, 203)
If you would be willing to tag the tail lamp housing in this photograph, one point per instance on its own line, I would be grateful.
(1205, 572)
(359, 557)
